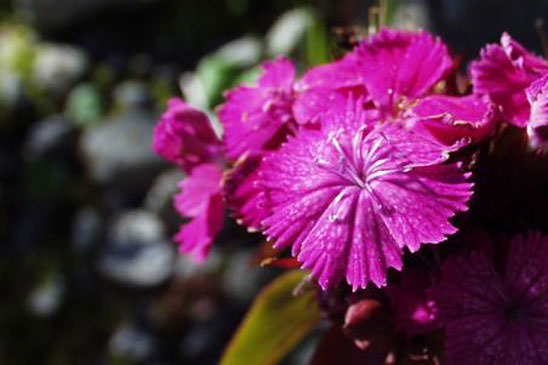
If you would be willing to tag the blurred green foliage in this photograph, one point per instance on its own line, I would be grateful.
(277, 321)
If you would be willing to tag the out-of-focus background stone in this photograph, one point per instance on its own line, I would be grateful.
(88, 270)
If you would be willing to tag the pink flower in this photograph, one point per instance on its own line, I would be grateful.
(391, 69)
(394, 72)
(497, 314)
(184, 136)
(244, 195)
(400, 69)
(258, 118)
(200, 199)
(400, 66)
(537, 126)
(328, 85)
(504, 72)
(349, 197)
(452, 118)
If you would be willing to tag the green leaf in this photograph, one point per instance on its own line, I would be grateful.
(276, 323)
(215, 75)
(317, 43)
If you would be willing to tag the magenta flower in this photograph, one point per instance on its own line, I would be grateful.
(200, 199)
(400, 66)
(451, 118)
(400, 69)
(350, 196)
(259, 118)
(328, 85)
(184, 136)
(537, 126)
(244, 195)
(504, 72)
(392, 72)
(497, 316)
(391, 69)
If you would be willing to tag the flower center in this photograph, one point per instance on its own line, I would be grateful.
(348, 164)
(362, 163)
(512, 312)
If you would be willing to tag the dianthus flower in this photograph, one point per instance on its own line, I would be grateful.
(185, 137)
(243, 195)
(328, 85)
(537, 126)
(350, 196)
(453, 118)
(400, 69)
(504, 72)
(394, 72)
(201, 198)
(496, 313)
(258, 118)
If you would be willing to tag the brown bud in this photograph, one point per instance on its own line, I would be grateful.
(365, 318)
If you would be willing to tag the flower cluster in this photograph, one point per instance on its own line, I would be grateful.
(357, 164)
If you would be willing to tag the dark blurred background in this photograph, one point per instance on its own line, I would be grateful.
(88, 272)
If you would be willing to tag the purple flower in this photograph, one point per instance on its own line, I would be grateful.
(258, 118)
(350, 196)
(497, 313)
(200, 199)
(504, 72)
(184, 136)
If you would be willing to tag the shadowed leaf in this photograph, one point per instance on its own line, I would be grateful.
(277, 321)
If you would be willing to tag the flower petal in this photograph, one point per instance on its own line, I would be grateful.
(185, 136)
(522, 58)
(401, 64)
(453, 118)
(342, 74)
(537, 126)
(196, 237)
(279, 74)
(259, 118)
(196, 190)
(244, 195)
(504, 72)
